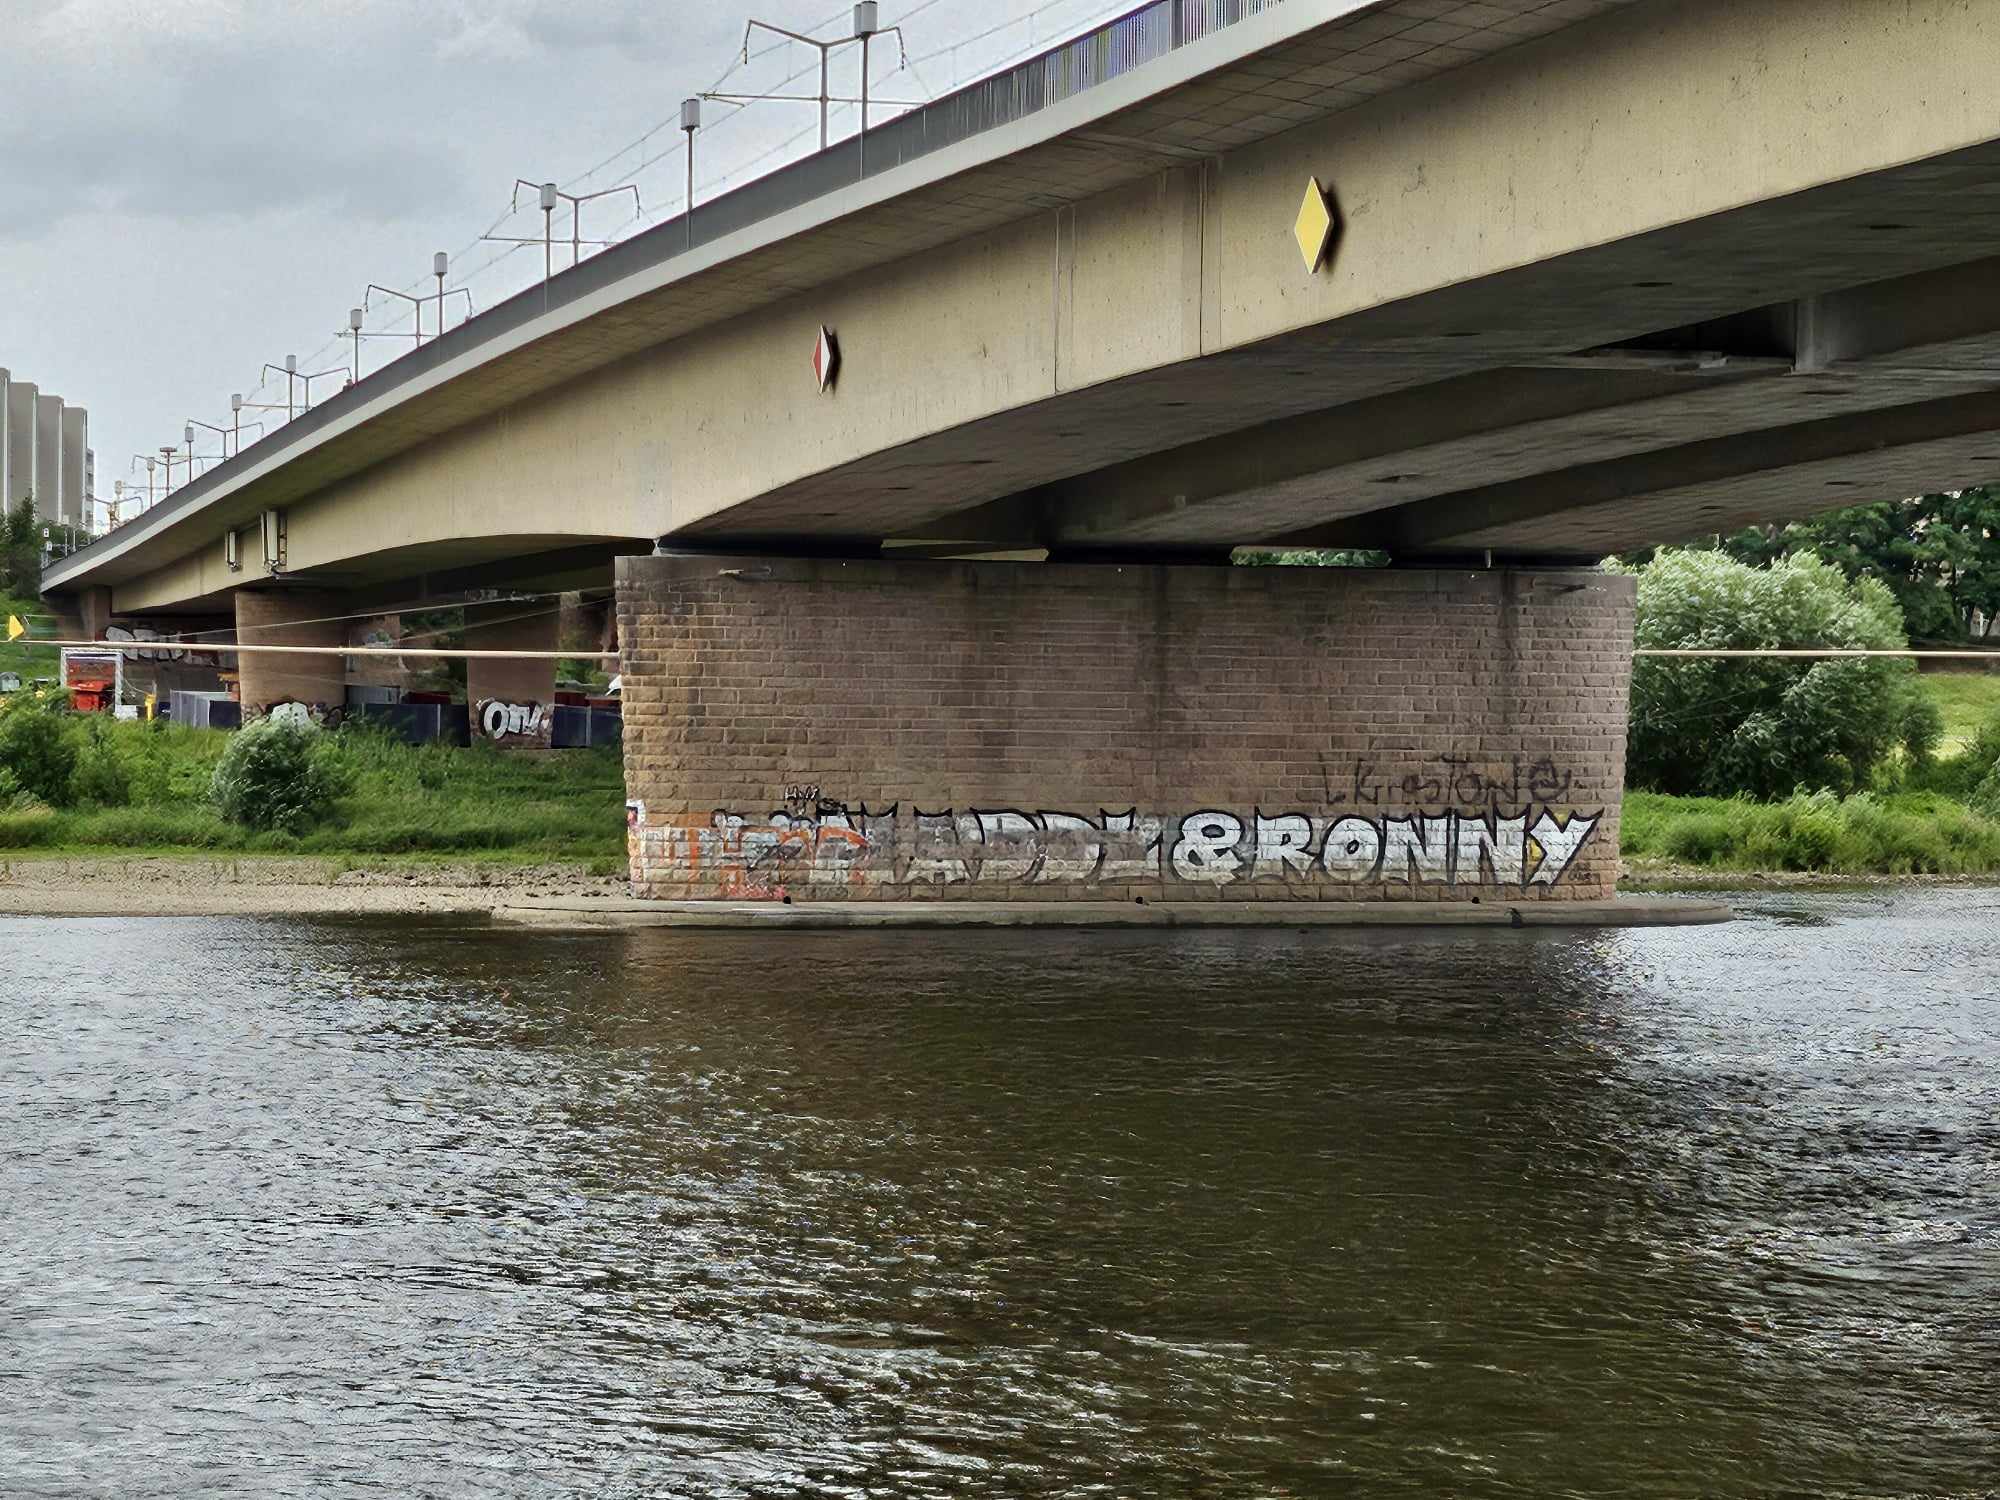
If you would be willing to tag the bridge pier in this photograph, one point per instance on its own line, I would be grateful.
(823, 729)
(291, 617)
(511, 700)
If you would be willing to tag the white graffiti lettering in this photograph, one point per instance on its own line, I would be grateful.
(1501, 842)
(169, 652)
(1284, 846)
(1206, 849)
(1559, 844)
(770, 855)
(1352, 851)
(1417, 850)
(507, 721)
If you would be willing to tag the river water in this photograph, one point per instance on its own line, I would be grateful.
(391, 1208)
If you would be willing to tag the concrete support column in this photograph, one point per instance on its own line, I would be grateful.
(291, 617)
(512, 701)
(819, 729)
(94, 613)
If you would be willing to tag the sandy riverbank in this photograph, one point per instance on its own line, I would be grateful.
(135, 885)
(569, 895)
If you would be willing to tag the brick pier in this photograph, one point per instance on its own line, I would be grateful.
(821, 730)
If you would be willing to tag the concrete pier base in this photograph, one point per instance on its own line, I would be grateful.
(511, 701)
(291, 617)
(824, 730)
(1626, 911)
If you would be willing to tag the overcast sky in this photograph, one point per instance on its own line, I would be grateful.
(189, 188)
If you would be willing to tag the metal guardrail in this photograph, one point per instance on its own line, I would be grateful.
(1112, 50)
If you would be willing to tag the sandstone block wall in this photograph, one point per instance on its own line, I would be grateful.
(817, 730)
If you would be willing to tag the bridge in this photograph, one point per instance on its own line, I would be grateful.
(916, 461)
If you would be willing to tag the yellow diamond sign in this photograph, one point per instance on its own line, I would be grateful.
(1314, 228)
(15, 629)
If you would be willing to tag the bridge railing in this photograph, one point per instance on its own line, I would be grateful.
(1112, 50)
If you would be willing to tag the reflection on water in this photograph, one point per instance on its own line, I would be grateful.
(328, 1208)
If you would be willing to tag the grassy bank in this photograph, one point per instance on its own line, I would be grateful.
(1966, 700)
(148, 791)
(1902, 833)
(23, 657)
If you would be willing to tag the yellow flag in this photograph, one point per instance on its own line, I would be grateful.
(15, 629)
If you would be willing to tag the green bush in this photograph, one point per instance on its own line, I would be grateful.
(274, 777)
(100, 779)
(1766, 727)
(38, 744)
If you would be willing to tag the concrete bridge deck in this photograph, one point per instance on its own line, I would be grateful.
(1607, 274)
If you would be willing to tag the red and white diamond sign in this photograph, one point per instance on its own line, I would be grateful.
(826, 358)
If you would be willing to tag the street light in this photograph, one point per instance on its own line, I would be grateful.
(167, 451)
(152, 465)
(187, 435)
(867, 15)
(358, 333)
(548, 195)
(290, 371)
(440, 267)
(238, 406)
(690, 123)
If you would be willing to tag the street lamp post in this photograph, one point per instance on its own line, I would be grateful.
(440, 268)
(238, 406)
(548, 195)
(152, 466)
(690, 123)
(356, 314)
(290, 370)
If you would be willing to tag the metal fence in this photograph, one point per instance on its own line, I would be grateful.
(1112, 50)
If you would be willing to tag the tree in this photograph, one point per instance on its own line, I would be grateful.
(22, 541)
(1768, 726)
(21, 550)
(1939, 554)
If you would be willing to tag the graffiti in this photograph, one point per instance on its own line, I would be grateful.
(513, 721)
(806, 845)
(755, 860)
(168, 652)
(1453, 781)
(296, 715)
